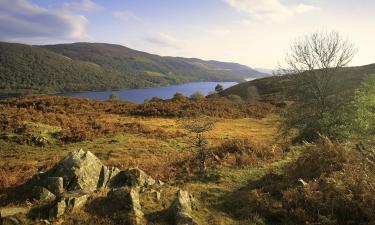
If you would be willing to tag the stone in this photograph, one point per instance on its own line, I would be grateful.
(12, 211)
(128, 201)
(55, 185)
(80, 171)
(43, 194)
(68, 203)
(106, 174)
(132, 177)
(75, 201)
(58, 208)
(181, 209)
(9, 221)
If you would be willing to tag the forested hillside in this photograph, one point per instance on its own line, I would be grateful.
(87, 66)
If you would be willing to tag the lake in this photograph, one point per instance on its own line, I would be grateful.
(139, 95)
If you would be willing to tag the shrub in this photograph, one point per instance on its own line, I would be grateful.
(328, 184)
(235, 98)
(219, 88)
(114, 97)
(197, 96)
(178, 97)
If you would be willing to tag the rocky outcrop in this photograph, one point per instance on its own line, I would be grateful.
(132, 177)
(181, 209)
(128, 201)
(70, 202)
(79, 171)
(65, 188)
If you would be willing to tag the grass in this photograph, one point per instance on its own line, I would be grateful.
(159, 152)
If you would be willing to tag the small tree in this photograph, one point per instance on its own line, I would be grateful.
(219, 88)
(197, 96)
(252, 93)
(199, 126)
(313, 63)
(235, 98)
(155, 99)
(362, 109)
(178, 96)
(114, 97)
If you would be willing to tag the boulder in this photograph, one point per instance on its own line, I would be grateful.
(128, 201)
(68, 203)
(106, 174)
(181, 209)
(9, 221)
(55, 185)
(42, 194)
(58, 208)
(132, 177)
(80, 171)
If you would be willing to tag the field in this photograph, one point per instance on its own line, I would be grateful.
(252, 173)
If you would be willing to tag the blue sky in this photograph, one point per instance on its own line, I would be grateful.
(252, 32)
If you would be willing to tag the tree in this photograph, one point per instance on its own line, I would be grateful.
(219, 88)
(362, 109)
(235, 98)
(197, 96)
(313, 63)
(252, 93)
(199, 126)
(114, 97)
(178, 96)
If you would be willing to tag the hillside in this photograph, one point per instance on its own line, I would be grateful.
(275, 88)
(86, 66)
(123, 59)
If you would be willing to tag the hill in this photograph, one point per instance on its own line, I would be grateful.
(93, 66)
(275, 88)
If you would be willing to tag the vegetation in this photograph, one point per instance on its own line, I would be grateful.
(219, 88)
(93, 66)
(226, 150)
(313, 61)
(114, 97)
(197, 96)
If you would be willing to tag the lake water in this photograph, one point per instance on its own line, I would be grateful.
(166, 92)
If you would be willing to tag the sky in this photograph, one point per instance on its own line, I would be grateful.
(257, 33)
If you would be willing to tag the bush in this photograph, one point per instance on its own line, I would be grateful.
(114, 97)
(235, 98)
(178, 97)
(197, 96)
(328, 184)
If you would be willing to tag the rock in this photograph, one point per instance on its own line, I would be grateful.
(55, 185)
(9, 221)
(42, 194)
(128, 200)
(132, 177)
(68, 203)
(181, 209)
(75, 201)
(58, 208)
(106, 174)
(11, 211)
(80, 171)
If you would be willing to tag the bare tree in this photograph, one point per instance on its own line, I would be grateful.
(313, 63)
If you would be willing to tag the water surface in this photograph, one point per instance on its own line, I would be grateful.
(166, 92)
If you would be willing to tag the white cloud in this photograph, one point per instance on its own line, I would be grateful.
(126, 16)
(270, 10)
(84, 5)
(164, 40)
(22, 20)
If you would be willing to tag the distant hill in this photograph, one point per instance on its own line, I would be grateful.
(99, 66)
(275, 88)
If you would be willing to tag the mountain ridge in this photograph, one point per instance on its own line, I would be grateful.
(86, 66)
